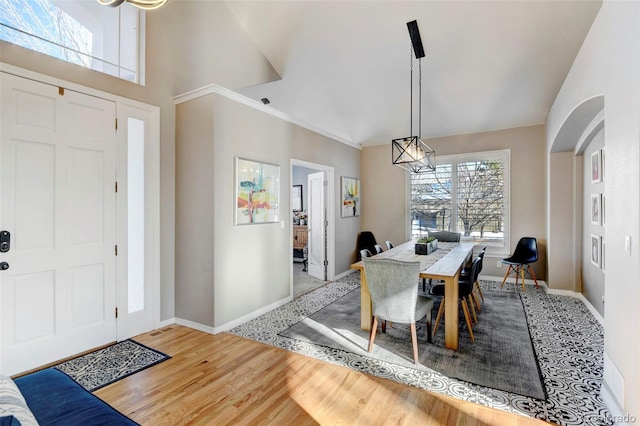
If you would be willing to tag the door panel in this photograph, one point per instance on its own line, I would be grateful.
(57, 169)
(316, 228)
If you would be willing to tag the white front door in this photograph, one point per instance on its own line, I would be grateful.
(316, 226)
(57, 170)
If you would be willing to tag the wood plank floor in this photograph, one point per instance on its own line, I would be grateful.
(225, 379)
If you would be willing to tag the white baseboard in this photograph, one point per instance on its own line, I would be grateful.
(231, 324)
(344, 274)
(617, 413)
(512, 280)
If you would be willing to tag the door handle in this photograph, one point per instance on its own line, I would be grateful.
(5, 241)
(4, 266)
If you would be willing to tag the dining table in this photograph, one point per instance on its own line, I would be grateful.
(445, 263)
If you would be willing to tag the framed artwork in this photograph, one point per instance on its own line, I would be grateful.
(596, 250)
(596, 209)
(350, 190)
(596, 167)
(296, 198)
(602, 163)
(602, 253)
(257, 192)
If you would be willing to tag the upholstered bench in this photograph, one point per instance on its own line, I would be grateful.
(50, 397)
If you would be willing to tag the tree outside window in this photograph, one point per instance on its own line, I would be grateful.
(466, 194)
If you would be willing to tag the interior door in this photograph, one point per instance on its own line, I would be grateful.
(57, 170)
(317, 226)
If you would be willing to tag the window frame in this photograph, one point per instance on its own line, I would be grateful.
(97, 62)
(494, 249)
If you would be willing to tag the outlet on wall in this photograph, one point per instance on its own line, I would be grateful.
(499, 264)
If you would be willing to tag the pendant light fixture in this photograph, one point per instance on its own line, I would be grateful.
(140, 4)
(411, 152)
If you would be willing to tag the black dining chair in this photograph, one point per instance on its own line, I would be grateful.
(446, 236)
(520, 261)
(378, 248)
(467, 271)
(366, 240)
(465, 287)
(389, 244)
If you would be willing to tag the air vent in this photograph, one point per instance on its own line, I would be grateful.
(265, 101)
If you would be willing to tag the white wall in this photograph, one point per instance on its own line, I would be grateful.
(609, 63)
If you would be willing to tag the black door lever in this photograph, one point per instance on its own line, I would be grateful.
(5, 241)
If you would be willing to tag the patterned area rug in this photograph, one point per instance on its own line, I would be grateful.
(568, 341)
(501, 357)
(98, 369)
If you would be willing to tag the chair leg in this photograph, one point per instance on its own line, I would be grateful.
(414, 340)
(533, 275)
(473, 310)
(479, 290)
(465, 309)
(429, 333)
(505, 276)
(440, 311)
(522, 275)
(424, 285)
(475, 300)
(372, 336)
(384, 326)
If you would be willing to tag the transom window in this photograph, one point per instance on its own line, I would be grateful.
(467, 193)
(85, 33)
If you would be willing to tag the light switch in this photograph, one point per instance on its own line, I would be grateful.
(627, 244)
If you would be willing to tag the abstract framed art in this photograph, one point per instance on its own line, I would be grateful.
(596, 209)
(596, 167)
(596, 249)
(350, 203)
(257, 192)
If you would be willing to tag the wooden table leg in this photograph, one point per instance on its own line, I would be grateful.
(451, 312)
(366, 309)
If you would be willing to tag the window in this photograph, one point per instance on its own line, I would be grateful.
(85, 33)
(467, 193)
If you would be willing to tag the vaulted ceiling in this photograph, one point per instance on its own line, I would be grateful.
(345, 65)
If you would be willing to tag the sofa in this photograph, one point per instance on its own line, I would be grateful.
(50, 397)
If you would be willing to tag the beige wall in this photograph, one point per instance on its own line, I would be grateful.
(592, 276)
(561, 249)
(194, 211)
(225, 272)
(384, 187)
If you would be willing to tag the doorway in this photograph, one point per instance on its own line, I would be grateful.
(312, 226)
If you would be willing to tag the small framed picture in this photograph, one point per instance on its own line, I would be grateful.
(596, 167)
(596, 250)
(602, 164)
(596, 209)
(602, 256)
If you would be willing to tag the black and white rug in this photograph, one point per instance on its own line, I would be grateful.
(501, 357)
(568, 342)
(100, 368)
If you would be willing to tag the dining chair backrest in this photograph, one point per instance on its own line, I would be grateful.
(466, 282)
(365, 253)
(526, 251)
(445, 236)
(392, 284)
(378, 248)
(481, 256)
(389, 244)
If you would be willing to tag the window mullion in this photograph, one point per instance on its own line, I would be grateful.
(454, 196)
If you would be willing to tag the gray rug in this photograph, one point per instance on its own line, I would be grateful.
(502, 356)
(100, 368)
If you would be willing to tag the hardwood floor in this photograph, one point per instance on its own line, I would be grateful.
(225, 379)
